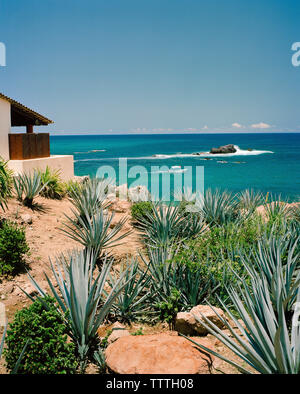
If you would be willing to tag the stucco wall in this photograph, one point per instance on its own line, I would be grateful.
(63, 163)
(4, 128)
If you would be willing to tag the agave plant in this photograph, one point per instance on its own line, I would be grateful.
(270, 341)
(81, 298)
(30, 185)
(249, 200)
(192, 225)
(6, 179)
(278, 261)
(131, 304)
(219, 208)
(90, 196)
(161, 226)
(94, 232)
(267, 344)
(19, 188)
(160, 271)
(295, 212)
(276, 210)
(167, 274)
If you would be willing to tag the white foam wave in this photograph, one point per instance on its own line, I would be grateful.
(90, 151)
(239, 152)
(200, 156)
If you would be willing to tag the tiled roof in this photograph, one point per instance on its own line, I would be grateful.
(22, 108)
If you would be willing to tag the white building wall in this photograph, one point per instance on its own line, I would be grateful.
(5, 124)
(63, 163)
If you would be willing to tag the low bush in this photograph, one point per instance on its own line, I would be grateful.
(45, 332)
(53, 186)
(6, 181)
(141, 209)
(207, 262)
(169, 308)
(13, 248)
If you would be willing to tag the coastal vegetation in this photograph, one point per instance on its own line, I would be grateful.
(13, 249)
(239, 252)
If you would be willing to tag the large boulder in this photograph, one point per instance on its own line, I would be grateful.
(187, 324)
(224, 149)
(157, 354)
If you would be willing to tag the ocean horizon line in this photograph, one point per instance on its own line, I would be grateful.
(179, 133)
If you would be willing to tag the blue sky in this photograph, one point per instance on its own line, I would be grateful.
(160, 66)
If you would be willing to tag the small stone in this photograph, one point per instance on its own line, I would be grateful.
(26, 218)
(118, 331)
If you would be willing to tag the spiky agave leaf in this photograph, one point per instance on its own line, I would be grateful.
(250, 199)
(6, 181)
(161, 226)
(276, 210)
(90, 197)
(219, 208)
(17, 365)
(80, 296)
(94, 231)
(264, 343)
(278, 260)
(131, 303)
(19, 188)
(29, 184)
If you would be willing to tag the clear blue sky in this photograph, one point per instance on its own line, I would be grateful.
(154, 65)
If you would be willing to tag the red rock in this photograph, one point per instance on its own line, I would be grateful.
(187, 324)
(157, 354)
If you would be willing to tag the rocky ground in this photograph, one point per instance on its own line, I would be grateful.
(44, 236)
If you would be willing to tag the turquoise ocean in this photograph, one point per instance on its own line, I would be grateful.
(264, 162)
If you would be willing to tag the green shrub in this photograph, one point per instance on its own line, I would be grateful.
(53, 186)
(47, 351)
(13, 248)
(104, 341)
(71, 185)
(212, 257)
(168, 309)
(141, 209)
(139, 331)
(6, 181)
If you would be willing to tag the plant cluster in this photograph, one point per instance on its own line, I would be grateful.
(53, 187)
(46, 183)
(91, 224)
(13, 248)
(42, 329)
(6, 182)
(214, 248)
(140, 209)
